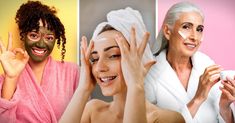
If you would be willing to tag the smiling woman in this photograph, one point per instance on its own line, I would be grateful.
(66, 11)
(31, 84)
(184, 79)
(39, 44)
(107, 50)
(118, 59)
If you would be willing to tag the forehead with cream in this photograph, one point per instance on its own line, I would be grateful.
(107, 35)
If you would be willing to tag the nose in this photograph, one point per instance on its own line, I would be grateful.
(194, 36)
(41, 43)
(101, 65)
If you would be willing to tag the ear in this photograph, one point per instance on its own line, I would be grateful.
(167, 31)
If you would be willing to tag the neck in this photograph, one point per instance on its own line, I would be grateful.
(178, 62)
(37, 65)
(118, 104)
(37, 68)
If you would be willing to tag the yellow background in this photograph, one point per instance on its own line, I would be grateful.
(66, 11)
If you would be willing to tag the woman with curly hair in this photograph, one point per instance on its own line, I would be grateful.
(34, 87)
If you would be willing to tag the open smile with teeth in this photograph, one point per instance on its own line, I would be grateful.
(39, 52)
(191, 46)
(107, 79)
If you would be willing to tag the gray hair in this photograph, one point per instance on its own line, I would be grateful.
(171, 17)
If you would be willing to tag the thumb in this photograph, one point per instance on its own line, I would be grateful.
(148, 65)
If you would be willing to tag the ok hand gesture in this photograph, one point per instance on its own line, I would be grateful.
(11, 64)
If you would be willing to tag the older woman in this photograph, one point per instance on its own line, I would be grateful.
(118, 67)
(184, 79)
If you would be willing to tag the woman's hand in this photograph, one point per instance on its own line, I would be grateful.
(228, 92)
(131, 59)
(74, 110)
(11, 64)
(134, 72)
(209, 78)
(227, 98)
(86, 82)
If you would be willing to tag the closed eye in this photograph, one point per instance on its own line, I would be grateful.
(114, 56)
(93, 60)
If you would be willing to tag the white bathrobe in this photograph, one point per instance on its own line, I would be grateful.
(163, 88)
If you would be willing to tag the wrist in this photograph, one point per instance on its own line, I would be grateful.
(11, 78)
(224, 106)
(197, 101)
(8, 87)
(226, 114)
(136, 88)
(83, 91)
(135, 83)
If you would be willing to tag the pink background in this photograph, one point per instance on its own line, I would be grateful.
(219, 34)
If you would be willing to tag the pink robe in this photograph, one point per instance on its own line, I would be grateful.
(45, 103)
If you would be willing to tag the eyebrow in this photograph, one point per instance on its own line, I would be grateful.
(184, 23)
(108, 48)
(50, 33)
(191, 24)
(105, 49)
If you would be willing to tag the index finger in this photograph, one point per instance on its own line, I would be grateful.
(122, 44)
(209, 70)
(88, 51)
(2, 47)
(9, 46)
(133, 39)
(143, 44)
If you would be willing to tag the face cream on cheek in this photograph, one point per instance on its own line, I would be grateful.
(182, 35)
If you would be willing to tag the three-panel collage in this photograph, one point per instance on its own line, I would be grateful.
(117, 61)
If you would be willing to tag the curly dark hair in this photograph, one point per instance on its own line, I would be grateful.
(28, 16)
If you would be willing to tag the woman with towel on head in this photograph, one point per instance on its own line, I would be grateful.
(184, 79)
(118, 58)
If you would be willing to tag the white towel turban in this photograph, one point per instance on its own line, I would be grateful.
(122, 20)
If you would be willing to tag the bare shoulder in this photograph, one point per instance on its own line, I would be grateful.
(158, 115)
(96, 104)
(92, 109)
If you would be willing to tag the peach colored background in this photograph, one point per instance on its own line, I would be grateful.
(219, 34)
